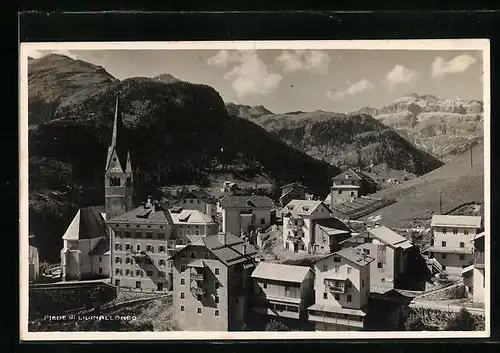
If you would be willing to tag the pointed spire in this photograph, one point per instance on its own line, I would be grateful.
(115, 125)
(128, 168)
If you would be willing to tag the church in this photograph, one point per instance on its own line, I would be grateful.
(129, 245)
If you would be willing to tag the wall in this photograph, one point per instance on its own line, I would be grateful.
(189, 319)
(439, 318)
(478, 282)
(130, 271)
(452, 261)
(75, 258)
(272, 288)
(455, 291)
(343, 194)
(380, 276)
(231, 221)
(454, 264)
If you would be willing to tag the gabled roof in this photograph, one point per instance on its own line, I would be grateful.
(456, 221)
(280, 272)
(291, 192)
(332, 223)
(302, 207)
(88, 223)
(390, 237)
(230, 250)
(101, 247)
(478, 236)
(253, 201)
(467, 269)
(201, 195)
(354, 174)
(353, 255)
(143, 215)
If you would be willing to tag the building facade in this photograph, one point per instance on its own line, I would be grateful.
(451, 241)
(390, 252)
(283, 291)
(241, 214)
(473, 275)
(299, 219)
(293, 191)
(342, 288)
(350, 185)
(211, 282)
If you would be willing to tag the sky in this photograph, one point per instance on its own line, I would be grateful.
(339, 80)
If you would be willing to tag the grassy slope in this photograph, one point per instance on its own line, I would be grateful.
(419, 198)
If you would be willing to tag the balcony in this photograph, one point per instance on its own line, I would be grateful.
(450, 250)
(336, 285)
(196, 276)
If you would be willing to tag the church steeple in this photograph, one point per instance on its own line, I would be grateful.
(118, 182)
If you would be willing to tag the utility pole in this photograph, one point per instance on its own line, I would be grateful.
(471, 164)
(440, 202)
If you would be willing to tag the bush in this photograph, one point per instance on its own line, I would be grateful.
(462, 321)
(414, 323)
(275, 325)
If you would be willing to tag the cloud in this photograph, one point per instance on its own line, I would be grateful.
(458, 64)
(248, 73)
(36, 54)
(308, 60)
(353, 89)
(400, 74)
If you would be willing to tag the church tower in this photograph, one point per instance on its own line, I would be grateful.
(118, 182)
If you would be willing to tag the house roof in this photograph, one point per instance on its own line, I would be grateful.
(302, 207)
(390, 237)
(230, 251)
(478, 236)
(332, 223)
(88, 223)
(292, 192)
(353, 255)
(336, 309)
(457, 221)
(145, 214)
(195, 239)
(354, 174)
(467, 269)
(190, 217)
(291, 185)
(253, 201)
(280, 272)
(201, 195)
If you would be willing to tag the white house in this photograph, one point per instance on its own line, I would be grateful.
(451, 242)
(473, 275)
(241, 214)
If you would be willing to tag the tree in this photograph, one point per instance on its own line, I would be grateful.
(275, 325)
(414, 323)
(462, 321)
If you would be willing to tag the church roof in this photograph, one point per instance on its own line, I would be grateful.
(88, 223)
(145, 214)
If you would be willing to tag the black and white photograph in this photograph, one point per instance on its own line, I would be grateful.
(254, 190)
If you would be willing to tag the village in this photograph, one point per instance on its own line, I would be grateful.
(233, 261)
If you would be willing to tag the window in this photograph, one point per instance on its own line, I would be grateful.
(461, 257)
(138, 284)
(128, 247)
(444, 230)
(444, 268)
(443, 256)
(197, 232)
(198, 297)
(100, 258)
(337, 296)
(216, 299)
(380, 265)
(336, 259)
(100, 269)
(455, 230)
(117, 282)
(127, 272)
(183, 281)
(117, 271)
(149, 235)
(183, 295)
(118, 246)
(340, 192)
(352, 193)
(336, 268)
(149, 273)
(325, 295)
(150, 248)
(349, 269)
(466, 231)
(367, 251)
(127, 260)
(161, 274)
(349, 298)
(149, 226)
(118, 260)
(216, 285)
(183, 268)
(262, 221)
(138, 247)
(265, 285)
(216, 312)
(161, 248)
(138, 272)
(443, 244)
(362, 283)
(348, 284)
(205, 255)
(161, 262)
(462, 244)
(198, 311)
(216, 271)
(182, 308)
(183, 255)
(383, 279)
(192, 255)
(128, 235)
